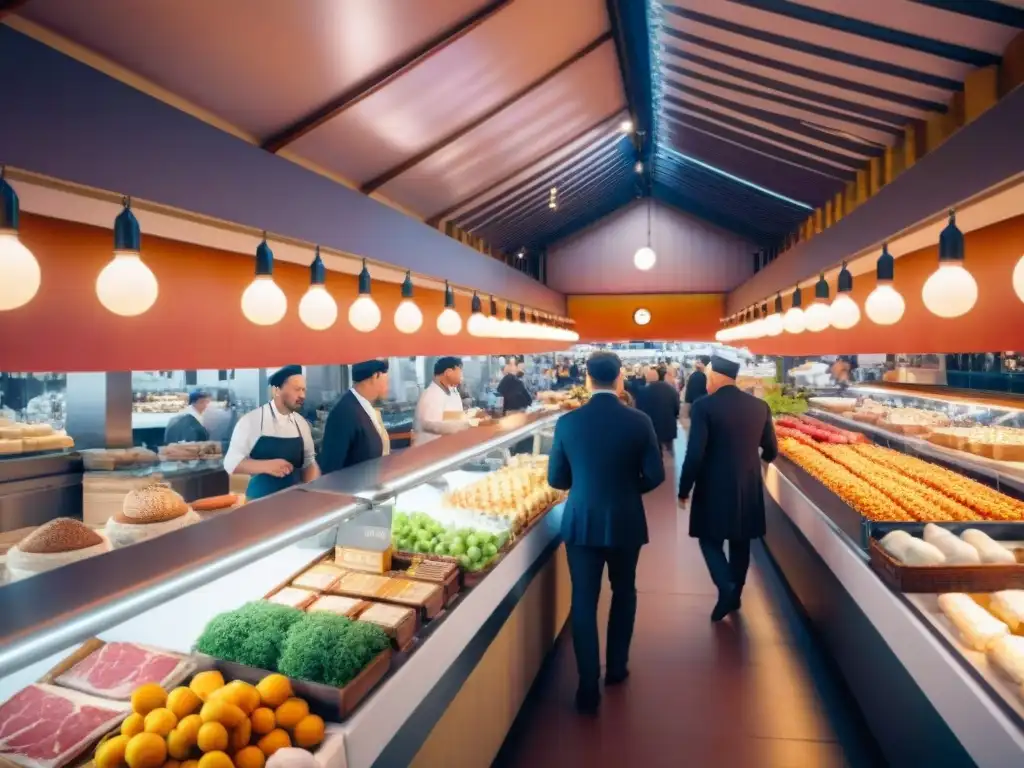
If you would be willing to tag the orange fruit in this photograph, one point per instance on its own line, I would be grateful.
(273, 741)
(215, 759)
(213, 737)
(183, 702)
(179, 745)
(146, 750)
(110, 754)
(189, 727)
(274, 690)
(160, 721)
(263, 721)
(290, 713)
(221, 711)
(172, 764)
(133, 724)
(148, 697)
(240, 735)
(206, 683)
(309, 732)
(250, 757)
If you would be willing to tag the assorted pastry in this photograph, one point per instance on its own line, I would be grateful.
(17, 437)
(518, 492)
(939, 546)
(206, 449)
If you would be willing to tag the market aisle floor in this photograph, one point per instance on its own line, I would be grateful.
(751, 692)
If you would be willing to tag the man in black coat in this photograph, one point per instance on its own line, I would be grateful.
(660, 401)
(187, 426)
(512, 389)
(604, 521)
(697, 384)
(355, 431)
(723, 467)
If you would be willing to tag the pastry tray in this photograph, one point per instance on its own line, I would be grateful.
(990, 577)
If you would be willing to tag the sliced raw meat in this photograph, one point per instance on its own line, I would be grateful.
(117, 669)
(43, 726)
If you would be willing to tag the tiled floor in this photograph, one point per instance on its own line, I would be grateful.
(751, 692)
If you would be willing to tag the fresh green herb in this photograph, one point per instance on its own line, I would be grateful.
(330, 649)
(250, 635)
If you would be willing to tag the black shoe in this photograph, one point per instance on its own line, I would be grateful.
(727, 603)
(587, 702)
(616, 678)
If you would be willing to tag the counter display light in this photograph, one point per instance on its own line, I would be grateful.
(408, 317)
(364, 314)
(951, 291)
(318, 310)
(20, 275)
(885, 305)
(844, 312)
(793, 321)
(126, 286)
(263, 302)
(449, 322)
(817, 316)
(1018, 279)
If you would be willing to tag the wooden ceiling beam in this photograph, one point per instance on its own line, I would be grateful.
(380, 79)
(392, 173)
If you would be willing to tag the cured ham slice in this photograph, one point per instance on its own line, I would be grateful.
(43, 726)
(116, 669)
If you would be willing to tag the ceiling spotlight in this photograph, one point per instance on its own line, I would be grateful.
(639, 167)
(521, 254)
(626, 126)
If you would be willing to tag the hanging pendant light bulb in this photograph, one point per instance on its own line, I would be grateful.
(126, 286)
(645, 258)
(817, 316)
(408, 317)
(505, 329)
(773, 323)
(364, 314)
(493, 328)
(756, 329)
(793, 320)
(263, 302)
(318, 310)
(477, 323)
(1018, 279)
(449, 322)
(517, 329)
(885, 305)
(844, 312)
(951, 291)
(20, 275)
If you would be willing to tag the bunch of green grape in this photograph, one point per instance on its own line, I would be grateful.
(419, 532)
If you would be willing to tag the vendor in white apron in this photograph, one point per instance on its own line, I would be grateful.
(439, 411)
(273, 444)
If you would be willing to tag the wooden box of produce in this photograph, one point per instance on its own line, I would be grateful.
(440, 572)
(986, 577)
(398, 622)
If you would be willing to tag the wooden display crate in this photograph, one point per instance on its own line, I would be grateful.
(987, 577)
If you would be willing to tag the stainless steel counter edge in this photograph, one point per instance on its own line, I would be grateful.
(382, 717)
(46, 613)
(985, 731)
(383, 478)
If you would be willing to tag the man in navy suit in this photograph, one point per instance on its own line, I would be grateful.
(355, 432)
(607, 456)
(731, 433)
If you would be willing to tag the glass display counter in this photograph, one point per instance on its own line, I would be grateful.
(495, 624)
(911, 630)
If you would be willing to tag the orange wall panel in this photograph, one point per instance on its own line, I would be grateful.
(197, 321)
(996, 323)
(674, 316)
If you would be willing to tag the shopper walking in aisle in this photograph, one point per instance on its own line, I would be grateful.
(604, 521)
(355, 430)
(723, 469)
(660, 401)
(697, 384)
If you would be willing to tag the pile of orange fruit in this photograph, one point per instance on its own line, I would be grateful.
(211, 724)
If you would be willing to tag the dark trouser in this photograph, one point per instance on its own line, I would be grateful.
(727, 574)
(586, 566)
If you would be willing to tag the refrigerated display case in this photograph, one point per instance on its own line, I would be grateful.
(497, 630)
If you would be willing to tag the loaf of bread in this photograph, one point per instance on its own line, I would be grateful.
(63, 534)
(155, 503)
(978, 629)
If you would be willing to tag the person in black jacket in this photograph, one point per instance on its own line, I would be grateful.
(355, 431)
(604, 521)
(660, 401)
(513, 390)
(187, 426)
(723, 468)
(697, 384)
